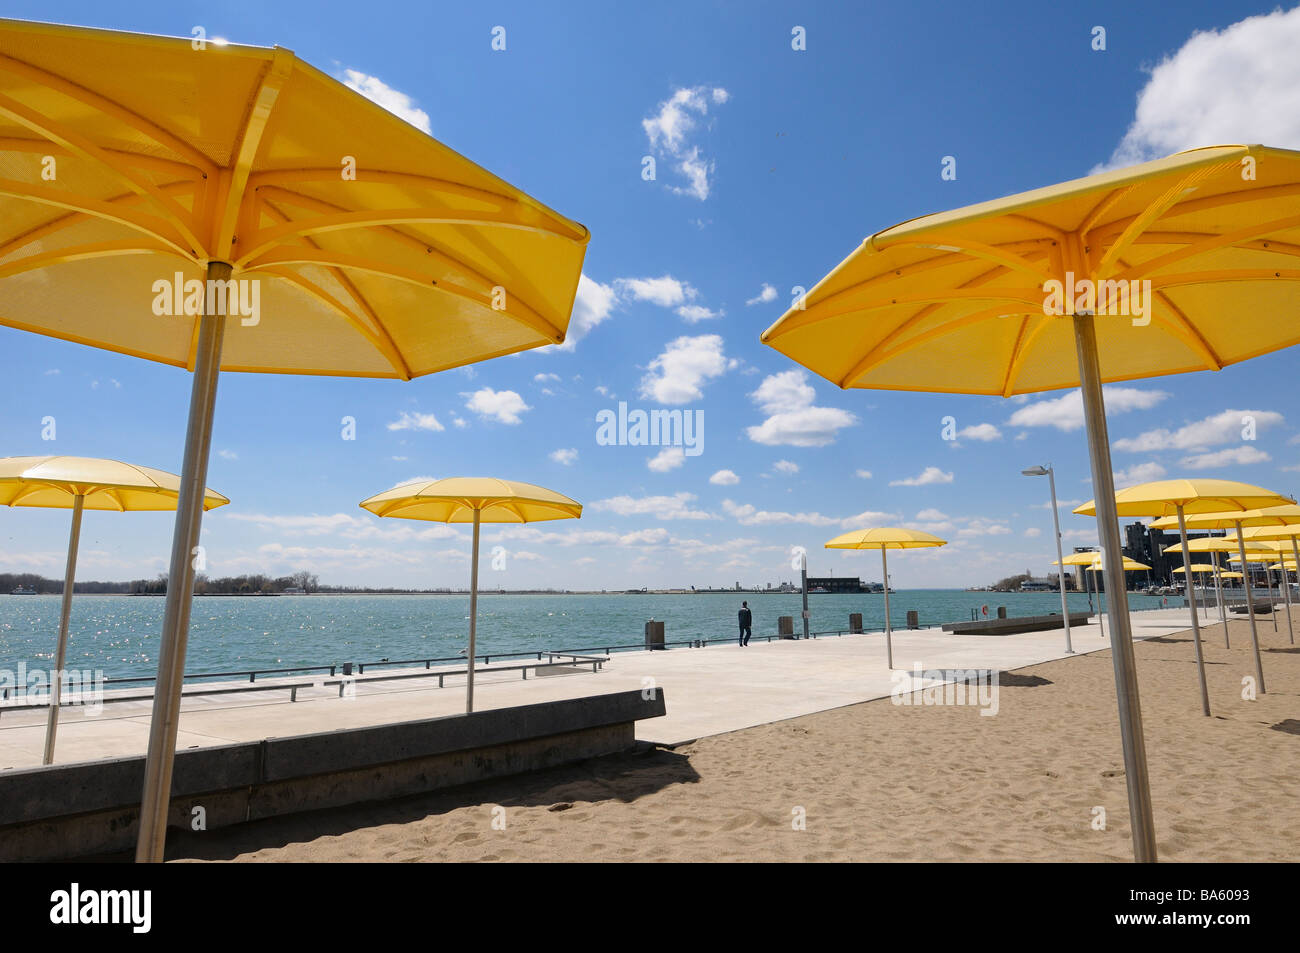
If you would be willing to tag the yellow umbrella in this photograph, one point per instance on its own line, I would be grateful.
(80, 483)
(1215, 545)
(996, 298)
(1199, 568)
(1130, 565)
(1086, 558)
(474, 500)
(1200, 503)
(1232, 575)
(156, 187)
(885, 538)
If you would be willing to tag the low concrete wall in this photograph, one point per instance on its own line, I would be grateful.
(72, 810)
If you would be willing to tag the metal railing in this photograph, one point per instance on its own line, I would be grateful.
(73, 702)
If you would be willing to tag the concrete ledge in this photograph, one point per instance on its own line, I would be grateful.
(92, 807)
(1014, 626)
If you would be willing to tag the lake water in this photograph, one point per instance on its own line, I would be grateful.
(120, 634)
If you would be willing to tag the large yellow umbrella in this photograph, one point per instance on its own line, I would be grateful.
(224, 207)
(474, 500)
(80, 483)
(885, 538)
(975, 301)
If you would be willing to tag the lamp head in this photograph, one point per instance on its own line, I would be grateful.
(1035, 471)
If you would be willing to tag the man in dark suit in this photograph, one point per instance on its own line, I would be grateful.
(746, 621)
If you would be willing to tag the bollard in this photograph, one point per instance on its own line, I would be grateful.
(913, 619)
(654, 635)
(785, 626)
(855, 623)
(347, 668)
(1002, 612)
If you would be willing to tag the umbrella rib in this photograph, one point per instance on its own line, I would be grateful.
(963, 249)
(81, 146)
(1211, 243)
(275, 75)
(83, 252)
(280, 177)
(298, 255)
(106, 106)
(76, 206)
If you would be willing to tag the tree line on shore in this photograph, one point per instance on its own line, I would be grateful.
(251, 584)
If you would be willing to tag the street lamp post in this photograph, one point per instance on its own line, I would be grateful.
(1060, 558)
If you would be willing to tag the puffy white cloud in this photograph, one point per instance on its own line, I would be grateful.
(504, 406)
(931, 515)
(981, 432)
(748, 515)
(695, 313)
(665, 291)
(1238, 84)
(669, 458)
(1066, 412)
(1226, 427)
(793, 420)
(669, 130)
(1233, 456)
(567, 457)
(863, 474)
(1139, 473)
(786, 466)
(396, 102)
(926, 477)
(675, 507)
(1033, 532)
(678, 375)
(591, 307)
(724, 478)
(416, 421)
(765, 295)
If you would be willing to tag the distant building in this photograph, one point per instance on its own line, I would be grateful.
(842, 584)
(1148, 546)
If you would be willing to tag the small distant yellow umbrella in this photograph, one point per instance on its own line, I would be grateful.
(1215, 545)
(1184, 498)
(1086, 558)
(1195, 568)
(1232, 575)
(1130, 565)
(81, 483)
(885, 538)
(474, 500)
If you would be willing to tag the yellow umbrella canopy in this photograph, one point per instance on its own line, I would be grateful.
(1171, 266)
(57, 482)
(1197, 498)
(1213, 544)
(217, 206)
(1078, 559)
(474, 500)
(461, 499)
(78, 484)
(1281, 515)
(885, 538)
(1195, 567)
(1130, 565)
(1231, 575)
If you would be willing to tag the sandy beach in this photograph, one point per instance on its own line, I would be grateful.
(880, 781)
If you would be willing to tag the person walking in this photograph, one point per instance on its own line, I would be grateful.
(746, 623)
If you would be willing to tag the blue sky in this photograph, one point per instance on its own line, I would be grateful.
(771, 165)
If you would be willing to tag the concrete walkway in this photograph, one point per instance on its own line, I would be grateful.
(709, 690)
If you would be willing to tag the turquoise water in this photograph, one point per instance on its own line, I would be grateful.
(119, 634)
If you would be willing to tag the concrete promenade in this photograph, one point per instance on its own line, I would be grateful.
(715, 689)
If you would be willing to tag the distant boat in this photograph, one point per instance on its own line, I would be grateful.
(819, 589)
(23, 591)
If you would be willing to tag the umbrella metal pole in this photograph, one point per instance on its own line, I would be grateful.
(1060, 560)
(1223, 605)
(1250, 607)
(1196, 626)
(889, 638)
(165, 721)
(65, 616)
(1286, 595)
(803, 574)
(1126, 686)
(473, 612)
(1295, 548)
(1268, 584)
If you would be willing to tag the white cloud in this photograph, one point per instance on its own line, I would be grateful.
(669, 458)
(592, 305)
(1238, 84)
(868, 518)
(504, 406)
(397, 103)
(1131, 476)
(567, 457)
(1066, 412)
(546, 378)
(677, 376)
(1233, 456)
(1225, 427)
(724, 478)
(675, 507)
(227, 455)
(766, 294)
(786, 466)
(926, 477)
(695, 313)
(1033, 532)
(670, 128)
(982, 432)
(863, 474)
(665, 291)
(747, 515)
(416, 421)
(793, 420)
(931, 515)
